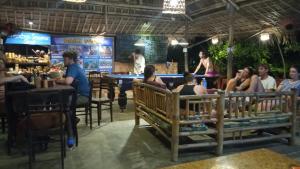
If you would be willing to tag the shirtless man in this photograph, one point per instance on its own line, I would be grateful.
(206, 62)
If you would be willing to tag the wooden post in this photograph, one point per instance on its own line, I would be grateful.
(186, 60)
(231, 10)
(137, 117)
(175, 127)
(220, 122)
(186, 64)
(294, 110)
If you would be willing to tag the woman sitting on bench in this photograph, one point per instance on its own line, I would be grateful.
(246, 81)
(151, 78)
(190, 87)
(293, 82)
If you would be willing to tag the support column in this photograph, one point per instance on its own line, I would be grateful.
(231, 10)
(186, 60)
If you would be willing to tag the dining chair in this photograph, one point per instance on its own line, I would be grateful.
(101, 101)
(44, 116)
(87, 112)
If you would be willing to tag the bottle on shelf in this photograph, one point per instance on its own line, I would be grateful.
(38, 81)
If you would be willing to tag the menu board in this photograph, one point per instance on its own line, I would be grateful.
(95, 53)
(155, 49)
(29, 38)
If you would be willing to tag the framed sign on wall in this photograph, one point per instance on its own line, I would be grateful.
(95, 53)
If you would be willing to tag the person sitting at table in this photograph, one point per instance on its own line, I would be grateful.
(151, 78)
(4, 79)
(293, 82)
(267, 81)
(75, 73)
(206, 62)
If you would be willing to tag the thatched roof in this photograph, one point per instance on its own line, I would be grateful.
(203, 17)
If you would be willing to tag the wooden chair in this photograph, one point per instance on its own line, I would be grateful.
(44, 115)
(87, 112)
(99, 102)
(94, 76)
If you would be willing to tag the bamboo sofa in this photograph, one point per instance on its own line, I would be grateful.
(218, 118)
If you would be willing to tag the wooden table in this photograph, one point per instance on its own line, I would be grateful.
(55, 88)
(14, 100)
(255, 159)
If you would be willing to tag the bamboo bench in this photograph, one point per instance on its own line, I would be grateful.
(206, 116)
(259, 117)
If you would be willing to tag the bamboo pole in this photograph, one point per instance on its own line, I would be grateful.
(175, 127)
(137, 117)
(231, 10)
(294, 109)
(220, 122)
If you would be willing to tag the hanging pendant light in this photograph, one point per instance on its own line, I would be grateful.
(264, 36)
(183, 42)
(174, 6)
(139, 42)
(76, 1)
(214, 40)
(174, 42)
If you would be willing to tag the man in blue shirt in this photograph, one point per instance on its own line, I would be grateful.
(75, 73)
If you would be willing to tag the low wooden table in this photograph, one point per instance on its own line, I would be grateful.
(256, 159)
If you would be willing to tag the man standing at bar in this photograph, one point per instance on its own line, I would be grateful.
(139, 61)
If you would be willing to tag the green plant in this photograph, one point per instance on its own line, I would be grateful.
(292, 47)
(248, 53)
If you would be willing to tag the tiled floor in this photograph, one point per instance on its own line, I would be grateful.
(120, 145)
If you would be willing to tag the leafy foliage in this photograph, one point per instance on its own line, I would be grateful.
(245, 54)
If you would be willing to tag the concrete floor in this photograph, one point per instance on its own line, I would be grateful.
(121, 145)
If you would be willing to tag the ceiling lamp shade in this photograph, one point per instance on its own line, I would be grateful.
(183, 42)
(264, 36)
(76, 1)
(174, 6)
(139, 42)
(174, 42)
(214, 40)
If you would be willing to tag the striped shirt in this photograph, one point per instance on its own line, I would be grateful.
(287, 85)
